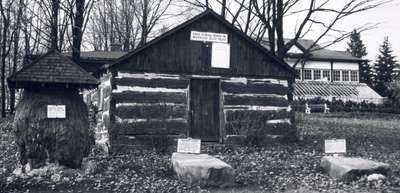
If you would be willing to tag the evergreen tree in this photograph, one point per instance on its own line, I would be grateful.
(384, 66)
(357, 49)
(356, 46)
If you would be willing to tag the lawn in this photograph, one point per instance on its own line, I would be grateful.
(273, 168)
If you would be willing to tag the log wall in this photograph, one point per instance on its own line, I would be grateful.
(257, 107)
(148, 104)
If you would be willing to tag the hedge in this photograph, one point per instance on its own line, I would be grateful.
(348, 106)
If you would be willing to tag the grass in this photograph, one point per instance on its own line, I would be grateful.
(285, 168)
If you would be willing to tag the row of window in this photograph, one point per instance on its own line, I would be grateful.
(338, 75)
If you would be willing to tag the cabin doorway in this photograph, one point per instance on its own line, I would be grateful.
(204, 109)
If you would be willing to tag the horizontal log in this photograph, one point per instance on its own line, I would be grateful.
(153, 83)
(251, 88)
(149, 97)
(122, 144)
(249, 128)
(232, 115)
(255, 100)
(143, 139)
(152, 128)
(253, 140)
(151, 111)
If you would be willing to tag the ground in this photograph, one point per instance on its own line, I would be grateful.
(288, 168)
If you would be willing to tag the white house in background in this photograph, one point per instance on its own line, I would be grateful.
(328, 74)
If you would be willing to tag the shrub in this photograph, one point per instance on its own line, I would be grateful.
(388, 106)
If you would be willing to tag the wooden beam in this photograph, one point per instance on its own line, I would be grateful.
(255, 100)
(266, 88)
(149, 97)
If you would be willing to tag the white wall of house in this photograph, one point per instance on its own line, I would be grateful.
(327, 71)
(345, 66)
(317, 65)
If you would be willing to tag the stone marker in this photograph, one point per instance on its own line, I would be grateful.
(346, 168)
(203, 169)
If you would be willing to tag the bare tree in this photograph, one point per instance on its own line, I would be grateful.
(5, 10)
(130, 23)
(272, 13)
(148, 14)
(16, 40)
(55, 9)
(266, 18)
(79, 19)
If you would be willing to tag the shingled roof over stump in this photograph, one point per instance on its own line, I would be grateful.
(52, 68)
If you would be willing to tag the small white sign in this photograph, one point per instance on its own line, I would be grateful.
(335, 146)
(189, 145)
(56, 111)
(220, 56)
(208, 37)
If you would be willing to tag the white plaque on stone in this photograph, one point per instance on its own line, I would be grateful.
(335, 146)
(189, 145)
(56, 111)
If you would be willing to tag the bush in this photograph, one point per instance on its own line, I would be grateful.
(349, 106)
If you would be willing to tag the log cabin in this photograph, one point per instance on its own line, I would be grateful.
(203, 79)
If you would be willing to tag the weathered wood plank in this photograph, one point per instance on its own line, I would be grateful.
(232, 115)
(255, 100)
(258, 88)
(153, 83)
(152, 128)
(151, 111)
(257, 129)
(122, 142)
(149, 97)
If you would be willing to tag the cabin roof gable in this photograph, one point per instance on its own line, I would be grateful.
(206, 13)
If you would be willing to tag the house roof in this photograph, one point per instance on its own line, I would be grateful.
(208, 12)
(318, 53)
(334, 89)
(54, 68)
(91, 61)
(100, 55)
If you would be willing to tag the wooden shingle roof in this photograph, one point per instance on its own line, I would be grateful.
(52, 68)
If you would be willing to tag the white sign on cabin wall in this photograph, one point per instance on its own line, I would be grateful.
(56, 111)
(220, 55)
(189, 145)
(335, 146)
(208, 37)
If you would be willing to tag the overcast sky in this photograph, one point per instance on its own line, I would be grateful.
(389, 18)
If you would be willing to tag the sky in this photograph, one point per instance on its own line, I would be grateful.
(388, 17)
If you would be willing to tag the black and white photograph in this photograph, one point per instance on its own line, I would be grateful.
(199, 96)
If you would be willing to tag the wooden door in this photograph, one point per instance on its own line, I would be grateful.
(204, 109)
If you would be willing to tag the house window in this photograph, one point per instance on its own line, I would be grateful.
(307, 75)
(317, 74)
(298, 74)
(336, 75)
(354, 76)
(326, 75)
(345, 75)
